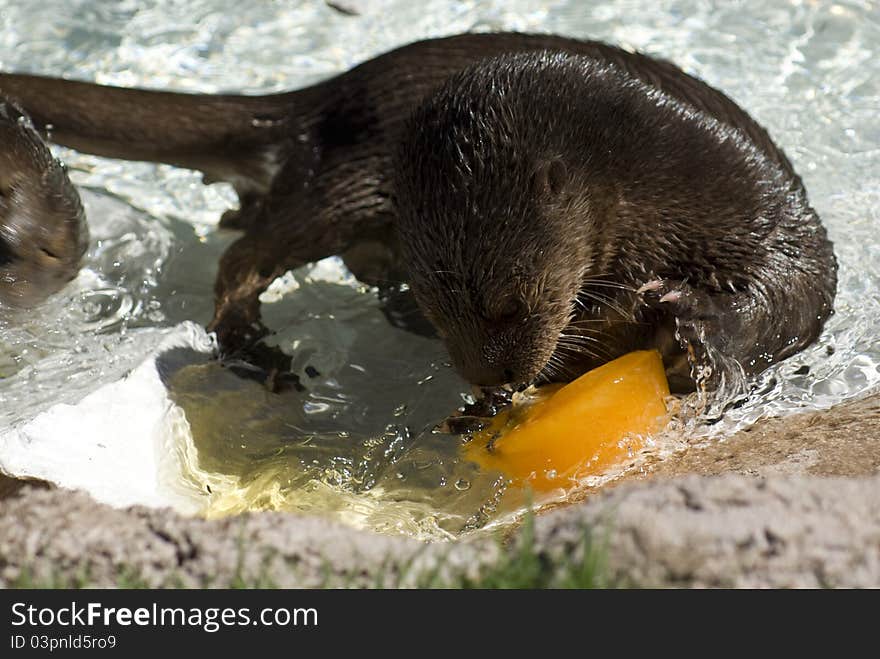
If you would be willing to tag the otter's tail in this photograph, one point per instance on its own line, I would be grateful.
(225, 136)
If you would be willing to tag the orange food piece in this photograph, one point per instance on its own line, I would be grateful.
(578, 429)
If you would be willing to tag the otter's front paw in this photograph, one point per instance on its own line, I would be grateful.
(236, 333)
(695, 313)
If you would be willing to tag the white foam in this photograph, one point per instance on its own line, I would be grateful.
(113, 443)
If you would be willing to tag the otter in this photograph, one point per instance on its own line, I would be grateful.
(551, 202)
(592, 214)
(43, 231)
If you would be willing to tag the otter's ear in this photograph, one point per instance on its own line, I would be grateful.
(550, 177)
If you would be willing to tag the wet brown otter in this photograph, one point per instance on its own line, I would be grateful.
(43, 233)
(553, 202)
(591, 214)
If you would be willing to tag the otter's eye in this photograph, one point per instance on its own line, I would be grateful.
(507, 309)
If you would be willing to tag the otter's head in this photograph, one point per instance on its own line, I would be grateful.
(494, 222)
(43, 234)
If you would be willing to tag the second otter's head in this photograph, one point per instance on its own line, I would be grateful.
(43, 233)
(494, 220)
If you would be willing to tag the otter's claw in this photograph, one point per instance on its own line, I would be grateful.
(653, 285)
(694, 311)
(671, 296)
(677, 299)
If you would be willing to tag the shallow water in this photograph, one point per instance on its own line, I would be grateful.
(354, 443)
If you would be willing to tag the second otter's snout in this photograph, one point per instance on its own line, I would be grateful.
(43, 231)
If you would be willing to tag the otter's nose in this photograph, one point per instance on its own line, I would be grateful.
(494, 361)
(487, 375)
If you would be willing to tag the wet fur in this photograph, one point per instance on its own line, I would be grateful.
(662, 179)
